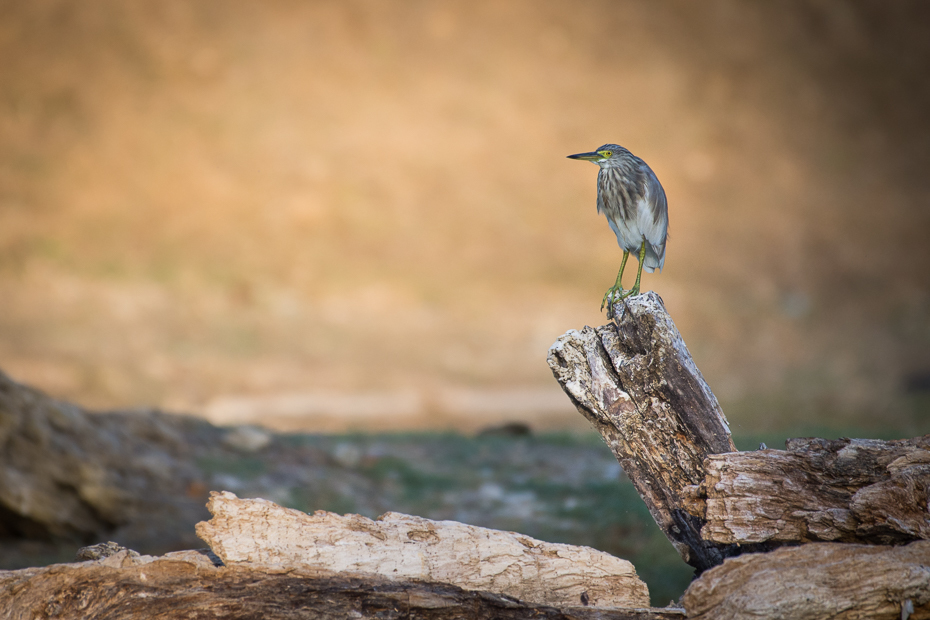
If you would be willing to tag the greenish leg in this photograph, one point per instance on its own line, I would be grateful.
(608, 296)
(639, 273)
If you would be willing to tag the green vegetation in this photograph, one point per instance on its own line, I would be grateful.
(247, 468)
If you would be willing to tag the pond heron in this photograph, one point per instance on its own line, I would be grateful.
(630, 196)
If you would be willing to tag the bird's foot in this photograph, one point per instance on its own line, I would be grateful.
(630, 293)
(617, 293)
(613, 294)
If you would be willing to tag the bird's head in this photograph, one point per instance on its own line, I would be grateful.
(607, 155)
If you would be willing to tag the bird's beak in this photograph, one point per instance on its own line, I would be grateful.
(595, 156)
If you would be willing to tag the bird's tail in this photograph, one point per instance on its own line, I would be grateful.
(655, 257)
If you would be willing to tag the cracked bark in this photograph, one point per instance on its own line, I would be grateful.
(844, 490)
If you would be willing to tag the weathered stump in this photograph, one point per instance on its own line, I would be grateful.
(637, 384)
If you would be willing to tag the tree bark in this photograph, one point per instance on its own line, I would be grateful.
(189, 585)
(257, 532)
(847, 490)
(820, 580)
(637, 384)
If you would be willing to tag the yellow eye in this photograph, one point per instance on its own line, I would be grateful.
(607, 153)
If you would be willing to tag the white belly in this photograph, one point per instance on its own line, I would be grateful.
(631, 232)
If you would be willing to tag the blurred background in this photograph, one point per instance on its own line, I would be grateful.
(340, 216)
(357, 214)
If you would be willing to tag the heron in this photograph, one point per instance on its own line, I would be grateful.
(630, 196)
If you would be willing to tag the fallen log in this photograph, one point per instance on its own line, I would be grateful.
(189, 584)
(635, 381)
(259, 533)
(815, 581)
(846, 490)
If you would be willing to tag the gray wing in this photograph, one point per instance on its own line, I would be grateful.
(653, 220)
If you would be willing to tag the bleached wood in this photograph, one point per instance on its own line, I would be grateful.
(816, 581)
(636, 383)
(846, 490)
(259, 533)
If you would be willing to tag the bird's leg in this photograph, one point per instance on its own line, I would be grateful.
(639, 273)
(609, 295)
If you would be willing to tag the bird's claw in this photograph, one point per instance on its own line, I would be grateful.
(615, 294)
(610, 297)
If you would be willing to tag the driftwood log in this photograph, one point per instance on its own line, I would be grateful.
(846, 490)
(816, 581)
(637, 384)
(189, 584)
(259, 533)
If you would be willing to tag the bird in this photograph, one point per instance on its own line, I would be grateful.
(630, 196)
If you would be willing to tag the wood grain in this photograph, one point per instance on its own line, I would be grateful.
(845, 490)
(816, 581)
(258, 533)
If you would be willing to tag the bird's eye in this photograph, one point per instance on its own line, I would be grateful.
(607, 153)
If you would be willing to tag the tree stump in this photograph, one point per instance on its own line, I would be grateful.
(636, 382)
